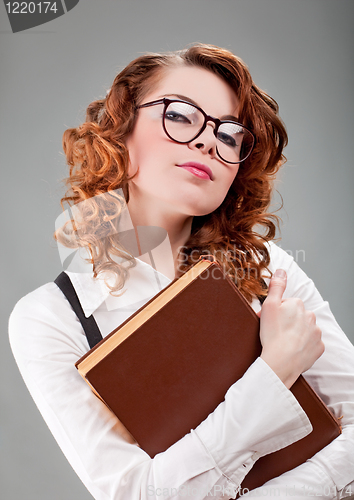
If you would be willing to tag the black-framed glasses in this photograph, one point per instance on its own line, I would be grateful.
(183, 122)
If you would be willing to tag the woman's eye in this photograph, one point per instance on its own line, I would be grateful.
(176, 117)
(227, 139)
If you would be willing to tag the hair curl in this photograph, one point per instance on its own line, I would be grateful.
(236, 232)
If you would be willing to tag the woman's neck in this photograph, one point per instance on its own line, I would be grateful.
(177, 225)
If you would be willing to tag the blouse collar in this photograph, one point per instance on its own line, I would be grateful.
(142, 283)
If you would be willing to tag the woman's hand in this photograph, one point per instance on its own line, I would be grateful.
(290, 338)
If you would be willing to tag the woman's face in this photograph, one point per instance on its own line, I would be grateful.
(172, 175)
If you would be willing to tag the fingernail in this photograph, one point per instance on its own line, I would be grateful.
(280, 273)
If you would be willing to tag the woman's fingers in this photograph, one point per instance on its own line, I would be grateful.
(274, 298)
(290, 338)
(277, 286)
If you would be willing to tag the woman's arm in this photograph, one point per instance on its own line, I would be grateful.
(331, 471)
(259, 415)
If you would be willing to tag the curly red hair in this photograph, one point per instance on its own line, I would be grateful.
(236, 232)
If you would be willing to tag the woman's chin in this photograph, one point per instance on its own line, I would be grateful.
(199, 211)
(203, 206)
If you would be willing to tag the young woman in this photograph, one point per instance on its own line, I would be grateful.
(194, 146)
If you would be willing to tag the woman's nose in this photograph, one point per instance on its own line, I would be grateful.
(206, 142)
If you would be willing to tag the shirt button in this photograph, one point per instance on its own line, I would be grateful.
(255, 456)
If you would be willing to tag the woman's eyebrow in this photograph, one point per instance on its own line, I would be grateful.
(183, 97)
(188, 99)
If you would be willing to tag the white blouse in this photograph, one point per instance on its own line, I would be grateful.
(258, 416)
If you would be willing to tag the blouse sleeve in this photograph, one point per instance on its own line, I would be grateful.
(330, 473)
(258, 416)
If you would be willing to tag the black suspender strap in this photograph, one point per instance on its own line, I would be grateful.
(89, 324)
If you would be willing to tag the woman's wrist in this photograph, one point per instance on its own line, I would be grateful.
(284, 371)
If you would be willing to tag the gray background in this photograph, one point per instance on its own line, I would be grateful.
(299, 51)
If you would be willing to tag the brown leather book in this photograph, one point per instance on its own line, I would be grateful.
(166, 368)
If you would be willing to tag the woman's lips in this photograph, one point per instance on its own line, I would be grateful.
(198, 169)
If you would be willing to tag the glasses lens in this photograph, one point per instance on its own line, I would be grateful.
(182, 121)
(234, 142)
